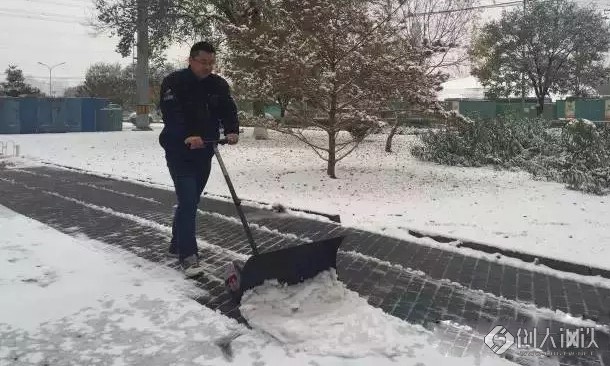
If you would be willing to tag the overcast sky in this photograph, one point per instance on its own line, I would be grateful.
(54, 31)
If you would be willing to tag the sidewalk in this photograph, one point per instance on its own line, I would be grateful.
(421, 284)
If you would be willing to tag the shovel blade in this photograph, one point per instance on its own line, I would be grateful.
(289, 265)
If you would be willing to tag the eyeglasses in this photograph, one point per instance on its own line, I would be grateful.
(204, 63)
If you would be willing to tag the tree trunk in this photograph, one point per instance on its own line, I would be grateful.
(332, 136)
(142, 69)
(388, 142)
(332, 156)
(258, 109)
(283, 103)
(540, 106)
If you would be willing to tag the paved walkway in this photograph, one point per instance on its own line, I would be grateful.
(420, 284)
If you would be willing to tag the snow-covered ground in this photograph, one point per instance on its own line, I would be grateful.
(69, 300)
(383, 192)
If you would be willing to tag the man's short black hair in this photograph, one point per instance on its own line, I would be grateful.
(202, 46)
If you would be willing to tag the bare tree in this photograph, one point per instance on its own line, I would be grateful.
(443, 23)
(336, 64)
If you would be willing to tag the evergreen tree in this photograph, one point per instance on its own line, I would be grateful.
(15, 85)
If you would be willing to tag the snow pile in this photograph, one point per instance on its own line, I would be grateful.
(322, 317)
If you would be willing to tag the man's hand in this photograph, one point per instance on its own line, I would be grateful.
(194, 142)
(232, 138)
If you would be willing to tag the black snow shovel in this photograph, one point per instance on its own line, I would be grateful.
(289, 265)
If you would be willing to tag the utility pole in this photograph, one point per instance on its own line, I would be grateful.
(143, 49)
(50, 76)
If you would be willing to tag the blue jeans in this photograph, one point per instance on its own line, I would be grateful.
(190, 177)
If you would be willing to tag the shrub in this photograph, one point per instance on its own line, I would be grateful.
(577, 154)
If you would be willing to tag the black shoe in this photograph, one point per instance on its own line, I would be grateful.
(173, 250)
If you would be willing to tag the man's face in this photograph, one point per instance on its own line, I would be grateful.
(202, 64)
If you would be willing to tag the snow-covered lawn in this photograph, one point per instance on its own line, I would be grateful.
(375, 190)
(69, 300)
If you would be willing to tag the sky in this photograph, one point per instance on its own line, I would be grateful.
(52, 32)
(55, 31)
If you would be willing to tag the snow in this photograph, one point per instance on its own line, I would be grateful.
(322, 316)
(73, 300)
(466, 87)
(386, 193)
(43, 266)
(255, 226)
(469, 87)
(581, 121)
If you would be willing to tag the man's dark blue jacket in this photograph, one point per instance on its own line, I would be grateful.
(194, 107)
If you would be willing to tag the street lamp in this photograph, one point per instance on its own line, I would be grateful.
(50, 70)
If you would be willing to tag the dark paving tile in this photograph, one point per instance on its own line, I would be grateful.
(454, 268)
(479, 281)
(525, 286)
(541, 290)
(558, 295)
(495, 278)
(509, 282)
(442, 262)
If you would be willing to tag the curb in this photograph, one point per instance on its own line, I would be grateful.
(549, 262)
(279, 207)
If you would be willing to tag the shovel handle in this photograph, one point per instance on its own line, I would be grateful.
(236, 200)
(219, 142)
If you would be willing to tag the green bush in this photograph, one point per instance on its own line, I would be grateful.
(577, 154)
(478, 142)
(588, 156)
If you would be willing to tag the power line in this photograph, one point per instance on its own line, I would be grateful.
(44, 14)
(79, 2)
(489, 6)
(58, 77)
(37, 18)
(70, 5)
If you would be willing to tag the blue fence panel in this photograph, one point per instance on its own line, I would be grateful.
(67, 115)
(73, 114)
(9, 116)
(28, 114)
(87, 118)
(89, 108)
(44, 116)
(59, 122)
